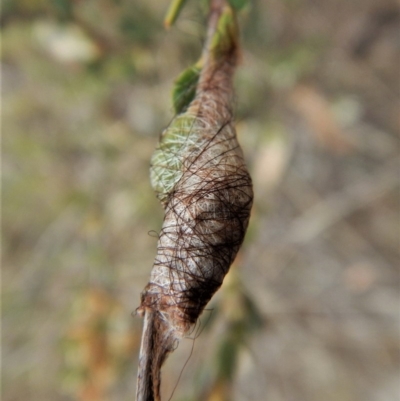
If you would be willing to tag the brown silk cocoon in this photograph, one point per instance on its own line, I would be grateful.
(206, 216)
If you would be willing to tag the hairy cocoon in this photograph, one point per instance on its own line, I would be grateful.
(199, 175)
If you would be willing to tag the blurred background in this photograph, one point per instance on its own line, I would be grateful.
(310, 309)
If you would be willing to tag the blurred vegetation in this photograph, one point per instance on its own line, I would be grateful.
(310, 309)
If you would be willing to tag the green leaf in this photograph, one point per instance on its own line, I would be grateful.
(226, 34)
(173, 12)
(185, 87)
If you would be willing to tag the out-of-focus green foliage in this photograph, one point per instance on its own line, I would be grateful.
(239, 4)
(173, 12)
